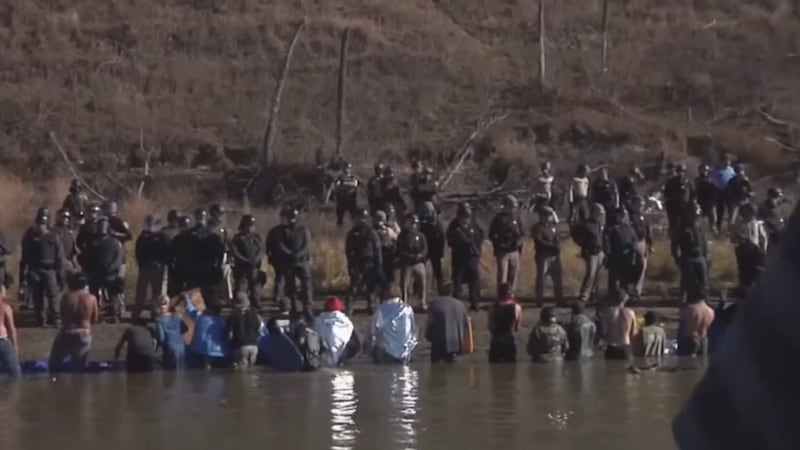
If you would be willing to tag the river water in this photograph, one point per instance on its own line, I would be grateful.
(470, 405)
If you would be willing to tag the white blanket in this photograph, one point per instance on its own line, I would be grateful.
(335, 330)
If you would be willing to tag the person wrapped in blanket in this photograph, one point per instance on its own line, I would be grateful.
(338, 339)
(392, 336)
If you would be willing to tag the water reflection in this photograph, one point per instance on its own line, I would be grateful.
(404, 401)
(344, 404)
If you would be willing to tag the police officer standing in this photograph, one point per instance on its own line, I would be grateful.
(118, 229)
(41, 269)
(290, 248)
(76, 202)
(644, 243)
(180, 261)
(206, 258)
(247, 250)
(706, 194)
(170, 232)
(465, 239)
(375, 189)
(604, 192)
(424, 189)
(749, 237)
(364, 252)
(589, 234)
(627, 187)
(346, 193)
(769, 214)
(620, 246)
(431, 227)
(216, 224)
(105, 259)
(677, 194)
(391, 192)
(690, 251)
(87, 232)
(66, 235)
(152, 257)
(547, 245)
(738, 192)
(388, 237)
(412, 252)
(505, 233)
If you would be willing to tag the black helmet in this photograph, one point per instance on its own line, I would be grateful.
(102, 227)
(110, 208)
(389, 209)
(738, 168)
(63, 216)
(216, 210)
(150, 221)
(360, 214)
(184, 222)
(80, 215)
(509, 201)
(172, 216)
(774, 193)
(703, 169)
(583, 169)
(389, 172)
(412, 220)
(247, 221)
(75, 185)
(94, 211)
(200, 216)
(680, 168)
(416, 165)
(379, 169)
(464, 210)
(42, 216)
(546, 165)
(292, 214)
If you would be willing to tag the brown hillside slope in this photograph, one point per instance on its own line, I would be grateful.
(195, 76)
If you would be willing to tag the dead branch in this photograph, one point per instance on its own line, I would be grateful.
(146, 164)
(774, 120)
(487, 195)
(604, 48)
(780, 144)
(542, 56)
(467, 147)
(340, 98)
(72, 168)
(269, 132)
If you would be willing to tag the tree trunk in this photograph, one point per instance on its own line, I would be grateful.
(340, 99)
(542, 57)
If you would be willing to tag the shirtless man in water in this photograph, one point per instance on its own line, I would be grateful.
(694, 321)
(9, 347)
(621, 328)
(78, 312)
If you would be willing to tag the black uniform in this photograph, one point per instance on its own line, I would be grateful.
(690, 250)
(119, 229)
(604, 192)
(706, 194)
(152, 257)
(773, 222)
(548, 259)
(346, 196)
(288, 248)
(677, 194)
(66, 235)
(412, 248)
(375, 196)
(364, 252)
(87, 233)
(393, 196)
(423, 190)
(434, 236)
(620, 248)
(205, 270)
(506, 233)
(627, 191)
(76, 203)
(42, 270)
(465, 239)
(737, 193)
(247, 251)
(170, 232)
(221, 248)
(105, 259)
(181, 263)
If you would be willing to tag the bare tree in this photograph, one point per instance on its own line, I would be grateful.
(340, 99)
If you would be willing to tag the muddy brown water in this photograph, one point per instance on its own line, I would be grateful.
(469, 405)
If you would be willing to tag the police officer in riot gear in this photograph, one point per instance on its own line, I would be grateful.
(769, 214)
(375, 189)
(424, 189)
(88, 231)
(677, 195)
(41, 269)
(289, 251)
(391, 192)
(346, 191)
(181, 258)
(76, 201)
(152, 258)
(465, 239)
(627, 187)
(737, 193)
(247, 251)
(706, 194)
(589, 234)
(547, 244)
(604, 192)
(363, 248)
(506, 235)
(206, 251)
(118, 228)
(690, 251)
(412, 253)
(216, 224)
(431, 227)
(171, 230)
(620, 248)
(644, 243)
(105, 259)
(66, 235)
(388, 237)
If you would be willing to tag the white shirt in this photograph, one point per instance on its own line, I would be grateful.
(544, 186)
(579, 188)
(752, 231)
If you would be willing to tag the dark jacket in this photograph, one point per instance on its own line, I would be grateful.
(465, 239)
(244, 327)
(739, 189)
(86, 235)
(75, 202)
(447, 322)
(106, 257)
(690, 244)
(411, 248)
(641, 225)
(546, 240)
(773, 222)
(67, 238)
(247, 251)
(393, 196)
(627, 189)
(603, 192)
(205, 249)
(706, 192)
(181, 252)
(119, 229)
(40, 251)
(506, 233)
(152, 249)
(677, 191)
(363, 247)
(288, 245)
(620, 243)
(589, 237)
(375, 191)
(434, 236)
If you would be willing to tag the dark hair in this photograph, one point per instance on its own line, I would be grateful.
(618, 298)
(504, 291)
(272, 326)
(577, 307)
(650, 318)
(446, 290)
(77, 281)
(547, 315)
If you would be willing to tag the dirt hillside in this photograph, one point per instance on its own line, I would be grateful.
(195, 77)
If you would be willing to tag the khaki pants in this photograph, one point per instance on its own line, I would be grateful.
(508, 270)
(417, 275)
(641, 249)
(593, 264)
(549, 265)
(149, 286)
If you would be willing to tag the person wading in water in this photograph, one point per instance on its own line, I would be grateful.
(504, 322)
